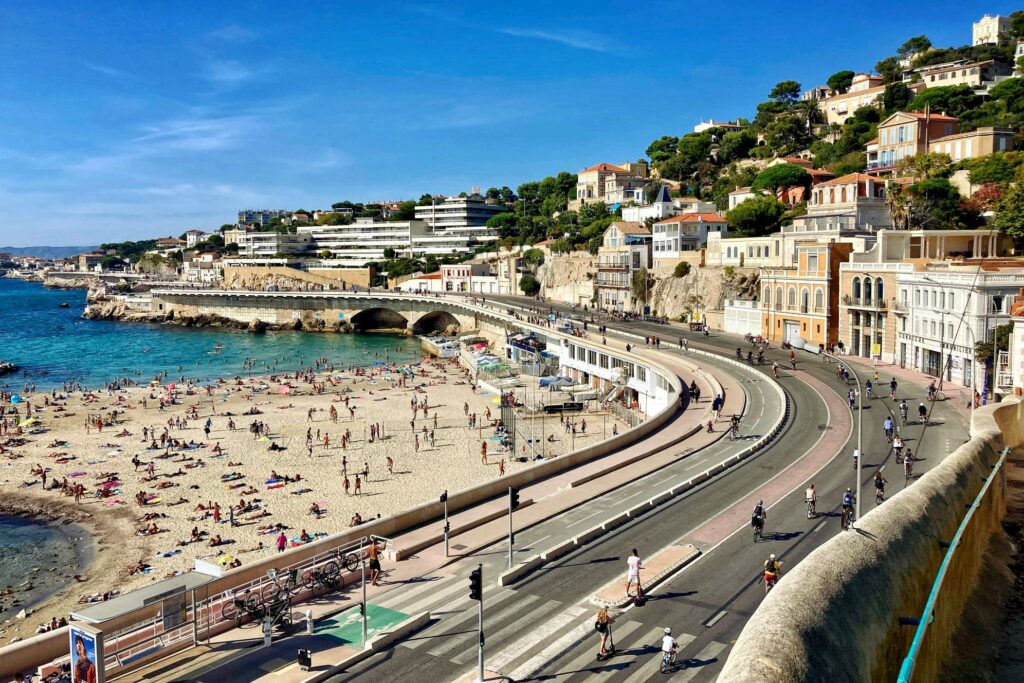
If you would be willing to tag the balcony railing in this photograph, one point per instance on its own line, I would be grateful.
(864, 302)
(613, 266)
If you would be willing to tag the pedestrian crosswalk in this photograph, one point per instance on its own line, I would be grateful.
(529, 637)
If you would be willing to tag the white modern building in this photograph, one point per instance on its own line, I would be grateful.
(944, 311)
(273, 244)
(685, 232)
(367, 240)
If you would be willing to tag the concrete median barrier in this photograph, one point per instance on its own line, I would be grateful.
(517, 572)
(559, 550)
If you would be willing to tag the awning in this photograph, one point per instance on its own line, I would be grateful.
(99, 612)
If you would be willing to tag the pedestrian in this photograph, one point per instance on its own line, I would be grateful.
(501, 468)
(358, 486)
(373, 555)
(633, 567)
(282, 542)
(483, 452)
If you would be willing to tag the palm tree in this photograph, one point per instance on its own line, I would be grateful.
(898, 204)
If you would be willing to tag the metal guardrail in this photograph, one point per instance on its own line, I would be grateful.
(928, 614)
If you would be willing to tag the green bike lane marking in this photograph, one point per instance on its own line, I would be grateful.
(347, 627)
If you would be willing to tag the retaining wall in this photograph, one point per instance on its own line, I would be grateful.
(836, 615)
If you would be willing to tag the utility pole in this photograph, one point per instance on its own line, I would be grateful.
(362, 606)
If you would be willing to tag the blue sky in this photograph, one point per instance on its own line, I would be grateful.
(132, 120)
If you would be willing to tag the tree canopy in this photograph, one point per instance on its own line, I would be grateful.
(781, 176)
(840, 81)
(756, 216)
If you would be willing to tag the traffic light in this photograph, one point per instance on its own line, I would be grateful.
(513, 497)
(476, 583)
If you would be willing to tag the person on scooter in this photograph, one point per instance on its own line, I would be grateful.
(603, 626)
(772, 572)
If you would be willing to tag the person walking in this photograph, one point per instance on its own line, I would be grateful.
(282, 542)
(633, 567)
(373, 555)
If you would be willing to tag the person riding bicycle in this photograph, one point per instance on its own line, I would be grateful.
(892, 388)
(904, 409)
(772, 572)
(758, 517)
(868, 386)
(668, 646)
(848, 501)
(931, 391)
(775, 369)
(856, 457)
(880, 483)
(887, 427)
(734, 425)
(811, 497)
(908, 464)
(897, 447)
(922, 411)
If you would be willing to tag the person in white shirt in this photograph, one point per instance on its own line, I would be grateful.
(634, 566)
(668, 646)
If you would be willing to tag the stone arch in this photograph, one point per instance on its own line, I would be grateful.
(378, 319)
(435, 321)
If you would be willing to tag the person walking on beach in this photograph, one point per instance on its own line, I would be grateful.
(501, 468)
(391, 466)
(358, 486)
(282, 542)
(347, 484)
(483, 452)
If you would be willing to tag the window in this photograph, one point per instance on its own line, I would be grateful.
(997, 304)
(856, 288)
(812, 263)
(867, 290)
(791, 297)
(819, 299)
(933, 298)
(917, 297)
(952, 300)
(778, 297)
(767, 296)
(805, 299)
(879, 291)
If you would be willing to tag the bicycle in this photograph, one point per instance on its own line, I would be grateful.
(937, 396)
(350, 561)
(758, 532)
(811, 512)
(848, 519)
(277, 590)
(327, 577)
(238, 608)
(668, 662)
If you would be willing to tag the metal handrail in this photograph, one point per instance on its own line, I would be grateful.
(928, 614)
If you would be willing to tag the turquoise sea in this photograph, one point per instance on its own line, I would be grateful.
(52, 344)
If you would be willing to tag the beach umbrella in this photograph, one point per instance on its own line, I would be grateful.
(15, 399)
(171, 386)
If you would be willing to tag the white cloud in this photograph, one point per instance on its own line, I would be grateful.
(232, 33)
(105, 70)
(196, 134)
(227, 72)
(581, 40)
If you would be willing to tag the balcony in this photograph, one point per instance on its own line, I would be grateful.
(613, 266)
(863, 302)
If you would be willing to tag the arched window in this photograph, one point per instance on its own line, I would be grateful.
(819, 299)
(856, 288)
(791, 297)
(767, 296)
(879, 291)
(867, 290)
(805, 299)
(778, 297)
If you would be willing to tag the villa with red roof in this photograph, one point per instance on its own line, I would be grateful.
(610, 184)
(685, 232)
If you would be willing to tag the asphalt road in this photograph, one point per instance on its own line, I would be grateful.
(542, 628)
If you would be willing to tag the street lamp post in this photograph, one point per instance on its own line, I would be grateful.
(860, 432)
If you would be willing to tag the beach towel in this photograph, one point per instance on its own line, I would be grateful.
(109, 502)
(76, 474)
(169, 553)
(278, 485)
(235, 486)
(299, 491)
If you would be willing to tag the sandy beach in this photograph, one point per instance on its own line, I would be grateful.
(147, 479)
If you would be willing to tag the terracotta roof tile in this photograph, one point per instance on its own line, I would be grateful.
(630, 228)
(693, 218)
(606, 168)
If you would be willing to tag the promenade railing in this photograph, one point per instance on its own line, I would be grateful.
(966, 527)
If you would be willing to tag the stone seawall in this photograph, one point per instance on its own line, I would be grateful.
(835, 616)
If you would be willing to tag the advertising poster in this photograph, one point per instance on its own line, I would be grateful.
(86, 655)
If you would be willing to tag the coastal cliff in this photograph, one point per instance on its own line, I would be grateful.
(84, 282)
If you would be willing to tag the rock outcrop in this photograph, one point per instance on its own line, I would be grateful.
(568, 278)
(7, 368)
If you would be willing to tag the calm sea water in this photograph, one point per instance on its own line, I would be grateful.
(52, 344)
(45, 555)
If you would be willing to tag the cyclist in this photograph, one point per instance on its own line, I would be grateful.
(931, 391)
(739, 353)
(848, 502)
(922, 412)
(734, 426)
(868, 387)
(880, 482)
(887, 427)
(892, 388)
(908, 465)
(811, 498)
(758, 517)
(897, 448)
(668, 646)
(772, 572)
(856, 457)
(775, 369)
(904, 409)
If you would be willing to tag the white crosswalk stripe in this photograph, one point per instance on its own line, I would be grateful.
(587, 660)
(436, 598)
(538, 635)
(651, 661)
(710, 651)
(568, 641)
(521, 625)
(455, 623)
(460, 640)
(402, 594)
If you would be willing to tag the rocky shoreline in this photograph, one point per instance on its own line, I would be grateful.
(7, 368)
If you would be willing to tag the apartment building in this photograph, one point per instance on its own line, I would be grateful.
(234, 235)
(261, 217)
(988, 30)
(664, 206)
(459, 277)
(908, 133)
(865, 90)
(868, 303)
(975, 75)
(465, 215)
(625, 249)
(202, 268)
(367, 239)
(853, 203)
(608, 183)
(945, 309)
(975, 143)
(727, 126)
(799, 303)
(193, 237)
(265, 245)
(685, 232)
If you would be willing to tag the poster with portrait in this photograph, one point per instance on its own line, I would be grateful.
(86, 654)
